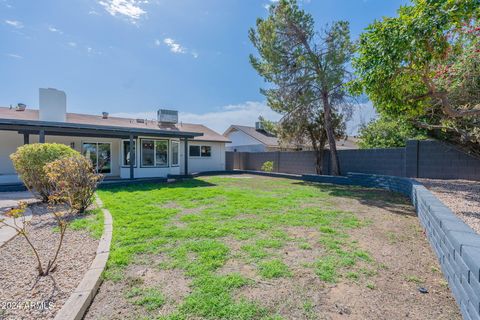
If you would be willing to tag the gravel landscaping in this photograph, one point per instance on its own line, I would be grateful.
(462, 196)
(19, 284)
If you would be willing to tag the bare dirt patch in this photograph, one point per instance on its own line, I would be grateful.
(404, 262)
(18, 273)
(111, 301)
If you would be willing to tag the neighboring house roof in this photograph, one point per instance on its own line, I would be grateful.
(93, 120)
(273, 142)
(262, 136)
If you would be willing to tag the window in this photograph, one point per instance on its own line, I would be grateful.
(206, 151)
(175, 148)
(200, 151)
(194, 151)
(126, 153)
(154, 153)
(161, 153)
(100, 155)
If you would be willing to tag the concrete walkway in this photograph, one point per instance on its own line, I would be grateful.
(7, 201)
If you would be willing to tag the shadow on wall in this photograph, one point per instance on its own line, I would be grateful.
(383, 199)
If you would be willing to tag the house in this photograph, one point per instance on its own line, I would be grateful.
(120, 148)
(256, 139)
(253, 139)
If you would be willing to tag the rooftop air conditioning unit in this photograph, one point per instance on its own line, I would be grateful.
(259, 126)
(167, 116)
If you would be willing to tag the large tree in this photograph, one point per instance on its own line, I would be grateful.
(424, 65)
(307, 69)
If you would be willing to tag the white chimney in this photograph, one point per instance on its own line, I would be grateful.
(53, 105)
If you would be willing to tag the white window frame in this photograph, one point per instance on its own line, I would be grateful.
(154, 153)
(123, 153)
(178, 153)
(96, 164)
(200, 151)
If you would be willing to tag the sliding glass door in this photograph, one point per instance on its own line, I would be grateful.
(100, 153)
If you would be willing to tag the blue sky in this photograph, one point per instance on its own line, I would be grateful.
(131, 57)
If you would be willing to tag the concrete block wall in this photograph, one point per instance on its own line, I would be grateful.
(419, 159)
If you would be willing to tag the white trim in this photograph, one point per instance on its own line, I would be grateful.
(96, 165)
(154, 153)
(178, 153)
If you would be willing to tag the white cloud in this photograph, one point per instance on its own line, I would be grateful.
(174, 46)
(53, 29)
(243, 114)
(72, 44)
(14, 55)
(157, 43)
(128, 8)
(14, 23)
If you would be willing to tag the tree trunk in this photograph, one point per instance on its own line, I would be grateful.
(335, 165)
(318, 147)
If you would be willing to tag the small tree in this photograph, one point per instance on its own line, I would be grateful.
(74, 180)
(29, 161)
(21, 229)
(308, 69)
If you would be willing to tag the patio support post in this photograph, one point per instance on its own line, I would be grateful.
(186, 156)
(26, 138)
(132, 158)
(41, 136)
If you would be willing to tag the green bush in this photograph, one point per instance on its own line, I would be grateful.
(29, 161)
(74, 181)
(267, 166)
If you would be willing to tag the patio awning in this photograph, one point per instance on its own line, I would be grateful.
(87, 130)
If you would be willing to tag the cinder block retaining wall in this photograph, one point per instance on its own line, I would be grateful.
(419, 159)
(456, 245)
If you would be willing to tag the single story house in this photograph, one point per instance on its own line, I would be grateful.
(253, 139)
(256, 139)
(120, 148)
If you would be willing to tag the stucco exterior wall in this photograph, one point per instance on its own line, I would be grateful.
(10, 141)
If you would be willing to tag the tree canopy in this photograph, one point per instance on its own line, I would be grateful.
(424, 65)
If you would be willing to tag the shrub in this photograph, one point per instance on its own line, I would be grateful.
(29, 161)
(74, 181)
(267, 166)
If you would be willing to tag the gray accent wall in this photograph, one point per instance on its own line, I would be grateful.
(419, 159)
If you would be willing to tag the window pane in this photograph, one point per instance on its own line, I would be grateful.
(206, 151)
(104, 158)
(194, 151)
(90, 152)
(148, 153)
(126, 153)
(161, 153)
(175, 147)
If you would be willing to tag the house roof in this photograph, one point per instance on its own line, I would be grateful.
(196, 131)
(262, 136)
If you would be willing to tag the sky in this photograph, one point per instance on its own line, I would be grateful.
(132, 57)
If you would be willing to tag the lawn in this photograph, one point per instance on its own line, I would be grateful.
(241, 248)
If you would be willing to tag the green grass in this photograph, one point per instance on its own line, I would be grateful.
(254, 212)
(150, 298)
(274, 269)
(92, 221)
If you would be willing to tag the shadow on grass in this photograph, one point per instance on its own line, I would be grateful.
(393, 202)
(149, 186)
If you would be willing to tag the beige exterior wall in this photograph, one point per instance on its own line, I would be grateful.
(11, 140)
